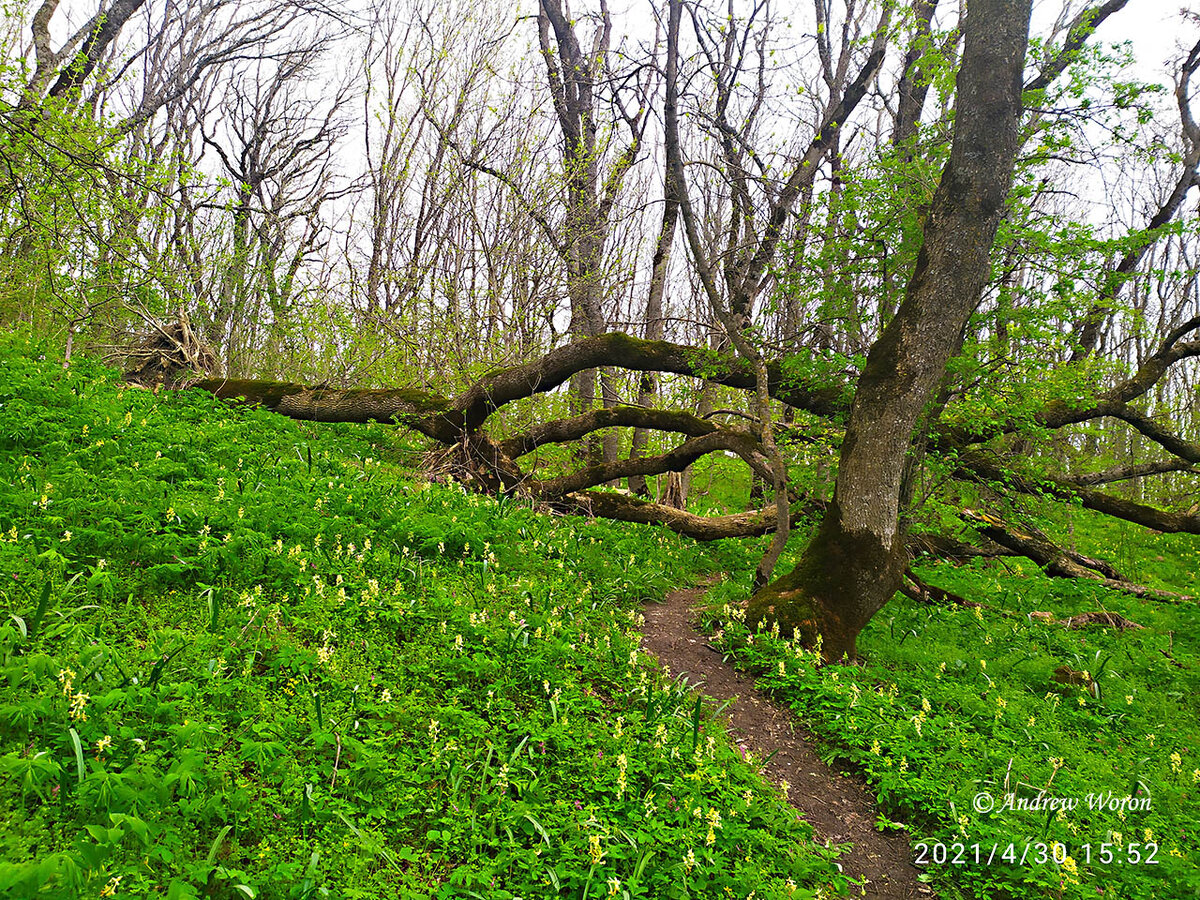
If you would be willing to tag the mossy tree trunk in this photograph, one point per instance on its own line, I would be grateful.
(854, 564)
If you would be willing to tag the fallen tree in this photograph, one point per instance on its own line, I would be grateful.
(460, 426)
(890, 409)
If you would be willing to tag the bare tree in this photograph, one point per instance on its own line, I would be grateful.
(276, 143)
(180, 44)
(748, 252)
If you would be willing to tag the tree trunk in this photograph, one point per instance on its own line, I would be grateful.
(915, 80)
(855, 562)
(648, 384)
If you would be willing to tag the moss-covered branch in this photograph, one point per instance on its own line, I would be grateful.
(702, 528)
(444, 419)
(675, 460)
(425, 411)
(623, 351)
(563, 430)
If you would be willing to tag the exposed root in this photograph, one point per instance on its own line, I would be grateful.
(171, 356)
(477, 462)
(923, 592)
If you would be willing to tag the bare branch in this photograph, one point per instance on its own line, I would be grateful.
(1082, 28)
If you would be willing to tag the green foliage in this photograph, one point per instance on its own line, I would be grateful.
(244, 657)
(73, 203)
(955, 703)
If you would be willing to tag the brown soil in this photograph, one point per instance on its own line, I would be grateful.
(837, 806)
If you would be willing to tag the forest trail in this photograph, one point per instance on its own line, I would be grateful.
(838, 807)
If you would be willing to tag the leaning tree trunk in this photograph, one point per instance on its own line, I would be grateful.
(854, 564)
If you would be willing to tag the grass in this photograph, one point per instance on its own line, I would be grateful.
(956, 711)
(244, 657)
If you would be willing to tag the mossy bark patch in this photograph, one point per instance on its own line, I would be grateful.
(423, 410)
(843, 578)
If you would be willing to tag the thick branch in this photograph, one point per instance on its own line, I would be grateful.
(1025, 541)
(1151, 371)
(1060, 563)
(701, 528)
(675, 460)
(418, 409)
(1058, 414)
(94, 46)
(1125, 473)
(1079, 31)
(563, 430)
(444, 419)
(923, 592)
(625, 352)
(1138, 513)
(914, 80)
(945, 547)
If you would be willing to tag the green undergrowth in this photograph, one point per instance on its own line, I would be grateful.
(245, 657)
(955, 719)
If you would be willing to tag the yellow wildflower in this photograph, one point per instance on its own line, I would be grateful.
(595, 851)
(78, 704)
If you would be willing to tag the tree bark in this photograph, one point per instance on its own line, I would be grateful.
(106, 30)
(419, 409)
(914, 82)
(471, 409)
(676, 460)
(648, 384)
(563, 430)
(855, 563)
(702, 528)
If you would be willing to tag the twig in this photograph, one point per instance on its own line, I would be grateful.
(336, 759)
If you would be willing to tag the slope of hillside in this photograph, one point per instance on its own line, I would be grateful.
(244, 657)
(1041, 741)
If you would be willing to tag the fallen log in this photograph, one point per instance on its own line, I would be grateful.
(1032, 543)
(1060, 563)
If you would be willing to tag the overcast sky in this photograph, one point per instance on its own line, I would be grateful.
(1154, 27)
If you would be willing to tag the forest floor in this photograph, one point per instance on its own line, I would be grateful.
(839, 807)
(242, 655)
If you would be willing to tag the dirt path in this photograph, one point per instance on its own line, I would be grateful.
(838, 807)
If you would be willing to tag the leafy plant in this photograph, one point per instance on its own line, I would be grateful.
(248, 658)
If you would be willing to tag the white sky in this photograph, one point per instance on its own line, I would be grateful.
(1154, 27)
